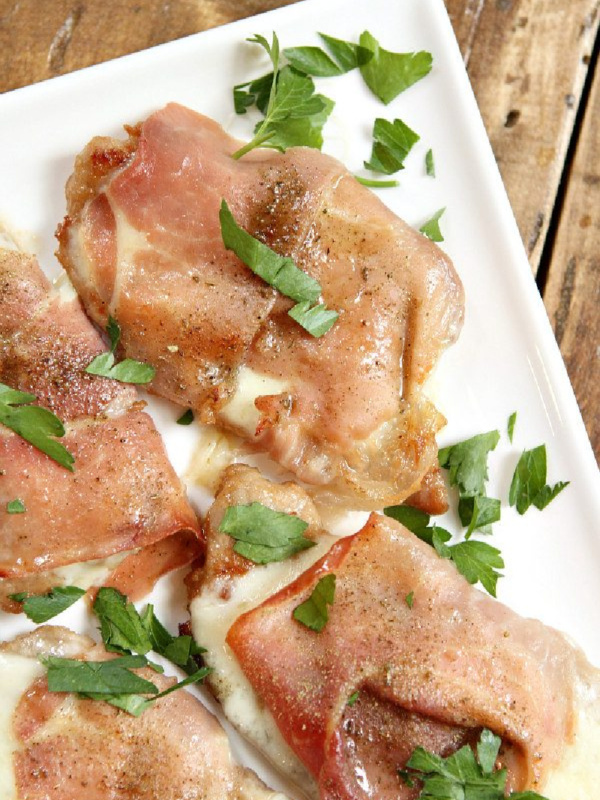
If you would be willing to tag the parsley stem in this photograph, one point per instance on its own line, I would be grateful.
(255, 142)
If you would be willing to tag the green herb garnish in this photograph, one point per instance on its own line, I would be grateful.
(315, 61)
(294, 114)
(120, 624)
(181, 650)
(392, 142)
(263, 535)
(510, 427)
(127, 371)
(528, 486)
(111, 681)
(431, 228)
(463, 775)
(375, 184)
(279, 272)
(186, 418)
(40, 608)
(477, 561)
(388, 74)
(313, 612)
(429, 164)
(352, 699)
(15, 506)
(35, 424)
(410, 599)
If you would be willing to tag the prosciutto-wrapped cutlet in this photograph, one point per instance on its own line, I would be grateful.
(60, 746)
(411, 656)
(122, 510)
(344, 412)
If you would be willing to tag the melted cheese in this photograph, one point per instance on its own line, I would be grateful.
(16, 675)
(214, 451)
(211, 619)
(240, 412)
(89, 573)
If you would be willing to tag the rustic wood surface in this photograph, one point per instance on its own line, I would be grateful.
(532, 64)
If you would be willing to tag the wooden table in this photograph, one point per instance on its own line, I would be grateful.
(533, 66)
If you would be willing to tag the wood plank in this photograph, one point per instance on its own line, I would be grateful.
(527, 61)
(572, 294)
(40, 39)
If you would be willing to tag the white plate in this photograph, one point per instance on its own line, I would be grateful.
(506, 358)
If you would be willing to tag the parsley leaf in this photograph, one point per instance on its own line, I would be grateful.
(461, 775)
(41, 608)
(353, 698)
(35, 424)
(127, 371)
(510, 427)
(429, 164)
(313, 613)
(375, 183)
(120, 624)
(467, 462)
(392, 142)
(291, 99)
(111, 681)
(388, 74)
(316, 320)
(431, 228)
(478, 513)
(263, 535)
(279, 272)
(528, 485)
(15, 506)
(254, 92)
(347, 54)
(477, 561)
(314, 61)
(181, 650)
(410, 599)
(186, 418)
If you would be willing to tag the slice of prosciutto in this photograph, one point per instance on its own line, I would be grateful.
(123, 495)
(63, 747)
(345, 412)
(432, 675)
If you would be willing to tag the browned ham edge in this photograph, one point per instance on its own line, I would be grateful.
(433, 675)
(123, 494)
(345, 413)
(69, 747)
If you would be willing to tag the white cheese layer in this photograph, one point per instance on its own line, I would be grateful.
(16, 675)
(212, 618)
(89, 573)
(578, 775)
(240, 412)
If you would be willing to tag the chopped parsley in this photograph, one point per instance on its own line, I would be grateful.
(477, 561)
(392, 142)
(279, 272)
(294, 114)
(352, 699)
(510, 427)
(388, 74)
(410, 599)
(528, 486)
(263, 535)
(464, 775)
(429, 164)
(186, 418)
(375, 184)
(15, 506)
(313, 613)
(127, 371)
(112, 681)
(40, 608)
(314, 61)
(35, 424)
(431, 228)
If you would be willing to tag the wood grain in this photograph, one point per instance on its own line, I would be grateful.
(527, 63)
(572, 295)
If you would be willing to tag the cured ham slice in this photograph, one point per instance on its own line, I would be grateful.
(123, 495)
(433, 674)
(345, 412)
(63, 747)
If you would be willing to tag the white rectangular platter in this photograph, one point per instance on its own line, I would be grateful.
(506, 359)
